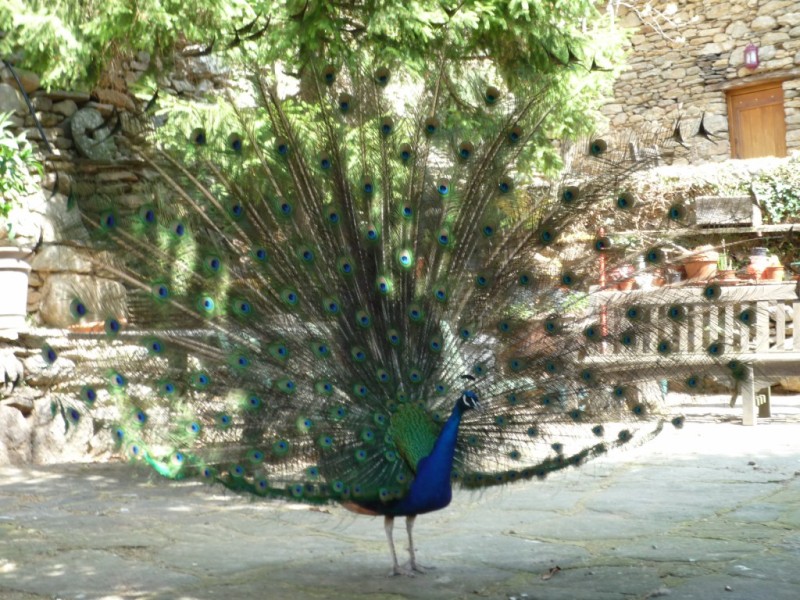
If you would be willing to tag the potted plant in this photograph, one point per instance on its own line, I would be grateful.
(774, 270)
(622, 277)
(725, 267)
(701, 264)
(16, 163)
(759, 261)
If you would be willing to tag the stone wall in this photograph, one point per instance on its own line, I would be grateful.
(89, 158)
(684, 56)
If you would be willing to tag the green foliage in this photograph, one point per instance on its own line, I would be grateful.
(724, 261)
(514, 42)
(16, 163)
(70, 42)
(778, 190)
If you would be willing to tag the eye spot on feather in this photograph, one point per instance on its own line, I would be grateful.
(235, 143)
(198, 137)
(48, 354)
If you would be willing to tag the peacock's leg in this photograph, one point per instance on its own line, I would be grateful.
(388, 526)
(412, 563)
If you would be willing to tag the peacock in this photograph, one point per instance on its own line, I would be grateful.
(356, 293)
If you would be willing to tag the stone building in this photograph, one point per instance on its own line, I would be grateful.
(687, 58)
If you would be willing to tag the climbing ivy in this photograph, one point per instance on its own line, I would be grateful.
(16, 166)
(778, 191)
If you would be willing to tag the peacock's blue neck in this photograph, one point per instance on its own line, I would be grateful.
(431, 489)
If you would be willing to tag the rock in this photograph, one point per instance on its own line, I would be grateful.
(25, 226)
(766, 53)
(737, 29)
(717, 11)
(60, 259)
(139, 66)
(60, 223)
(205, 86)
(30, 81)
(182, 86)
(712, 48)
(52, 441)
(42, 103)
(102, 445)
(42, 374)
(631, 20)
(117, 177)
(11, 372)
(736, 58)
(774, 37)
(34, 134)
(91, 133)
(49, 119)
(791, 19)
(23, 399)
(763, 23)
(115, 98)
(17, 121)
(715, 123)
(66, 107)
(103, 297)
(131, 77)
(791, 383)
(58, 95)
(35, 280)
(15, 437)
(10, 99)
(34, 299)
(775, 6)
(57, 180)
(63, 143)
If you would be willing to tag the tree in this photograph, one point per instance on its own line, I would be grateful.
(71, 41)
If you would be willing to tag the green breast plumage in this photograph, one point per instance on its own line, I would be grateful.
(414, 433)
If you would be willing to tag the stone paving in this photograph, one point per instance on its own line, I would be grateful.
(711, 511)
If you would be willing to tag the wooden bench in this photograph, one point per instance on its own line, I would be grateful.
(767, 346)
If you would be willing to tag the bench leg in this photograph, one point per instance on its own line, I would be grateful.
(763, 401)
(749, 415)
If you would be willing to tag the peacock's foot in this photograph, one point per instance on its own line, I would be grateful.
(398, 570)
(414, 567)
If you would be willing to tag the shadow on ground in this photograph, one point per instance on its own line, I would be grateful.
(712, 511)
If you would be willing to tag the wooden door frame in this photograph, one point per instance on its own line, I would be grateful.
(730, 93)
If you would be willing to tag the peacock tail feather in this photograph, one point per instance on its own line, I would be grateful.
(314, 276)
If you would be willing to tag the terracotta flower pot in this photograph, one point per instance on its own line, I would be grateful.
(700, 269)
(625, 285)
(774, 274)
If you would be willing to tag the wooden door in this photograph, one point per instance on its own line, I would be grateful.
(756, 120)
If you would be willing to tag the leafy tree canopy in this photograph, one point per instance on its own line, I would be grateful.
(70, 42)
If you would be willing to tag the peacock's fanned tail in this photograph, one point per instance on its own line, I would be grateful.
(313, 277)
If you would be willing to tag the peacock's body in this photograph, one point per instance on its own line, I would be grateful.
(324, 288)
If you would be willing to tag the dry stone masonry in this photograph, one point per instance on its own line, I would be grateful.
(685, 55)
(87, 153)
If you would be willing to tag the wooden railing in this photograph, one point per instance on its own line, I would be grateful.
(757, 325)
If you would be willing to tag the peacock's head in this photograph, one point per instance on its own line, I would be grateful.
(469, 401)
